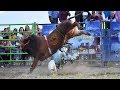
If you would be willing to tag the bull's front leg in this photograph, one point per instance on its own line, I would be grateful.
(34, 64)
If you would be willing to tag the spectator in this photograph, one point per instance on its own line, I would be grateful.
(27, 28)
(111, 17)
(39, 31)
(2, 50)
(15, 31)
(106, 13)
(53, 16)
(79, 18)
(93, 17)
(63, 15)
(20, 34)
(100, 16)
(27, 31)
(15, 49)
(7, 50)
(117, 16)
(82, 18)
(86, 17)
(13, 37)
(1, 42)
(102, 13)
(6, 34)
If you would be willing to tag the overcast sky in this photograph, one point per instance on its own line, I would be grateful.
(24, 17)
(12, 17)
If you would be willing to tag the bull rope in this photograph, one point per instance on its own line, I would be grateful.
(60, 33)
(48, 45)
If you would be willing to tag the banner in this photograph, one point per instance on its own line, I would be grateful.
(86, 46)
(115, 41)
(47, 29)
(93, 27)
(105, 44)
(115, 26)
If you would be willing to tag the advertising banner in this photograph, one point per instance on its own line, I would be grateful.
(86, 46)
(93, 27)
(47, 29)
(115, 41)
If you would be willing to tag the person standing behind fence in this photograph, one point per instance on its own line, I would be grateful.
(39, 31)
(93, 17)
(53, 16)
(2, 50)
(107, 14)
(117, 16)
(111, 17)
(27, 31)
(6, 33)
(103, 15)
(63, 15)
(79, 18)
(20, 34)
(100, 15)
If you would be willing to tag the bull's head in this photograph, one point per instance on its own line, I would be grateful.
(24, 43)
(29, 45)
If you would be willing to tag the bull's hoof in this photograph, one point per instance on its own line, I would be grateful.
(31, 70)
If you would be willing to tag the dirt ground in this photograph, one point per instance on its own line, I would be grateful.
(69, 71)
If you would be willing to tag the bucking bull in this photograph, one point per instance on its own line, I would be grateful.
(43, 47)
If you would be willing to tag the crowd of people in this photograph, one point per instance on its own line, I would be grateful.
(54, 17)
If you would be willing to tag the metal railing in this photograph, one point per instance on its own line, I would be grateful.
(10, 53)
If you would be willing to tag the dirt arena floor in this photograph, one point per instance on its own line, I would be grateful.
(69, 71)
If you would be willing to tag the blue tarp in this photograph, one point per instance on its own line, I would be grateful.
(110, 38)
(93, 27)
(46, 29)
(115, 26)
(115, 41)
(106, 44)
(111, 42)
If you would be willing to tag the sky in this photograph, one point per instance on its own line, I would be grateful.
(19, 17)
(24, 17)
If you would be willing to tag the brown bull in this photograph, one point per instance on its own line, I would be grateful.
(41, 47)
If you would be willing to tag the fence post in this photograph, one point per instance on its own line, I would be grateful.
(34, 28)
(10, 43)
(105, 40)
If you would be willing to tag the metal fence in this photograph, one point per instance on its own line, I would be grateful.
(11, 48)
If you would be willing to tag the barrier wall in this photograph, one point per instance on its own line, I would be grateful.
(111, 42)
(93, 42)
(115, 41)
(47, 29)
(87, 46)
